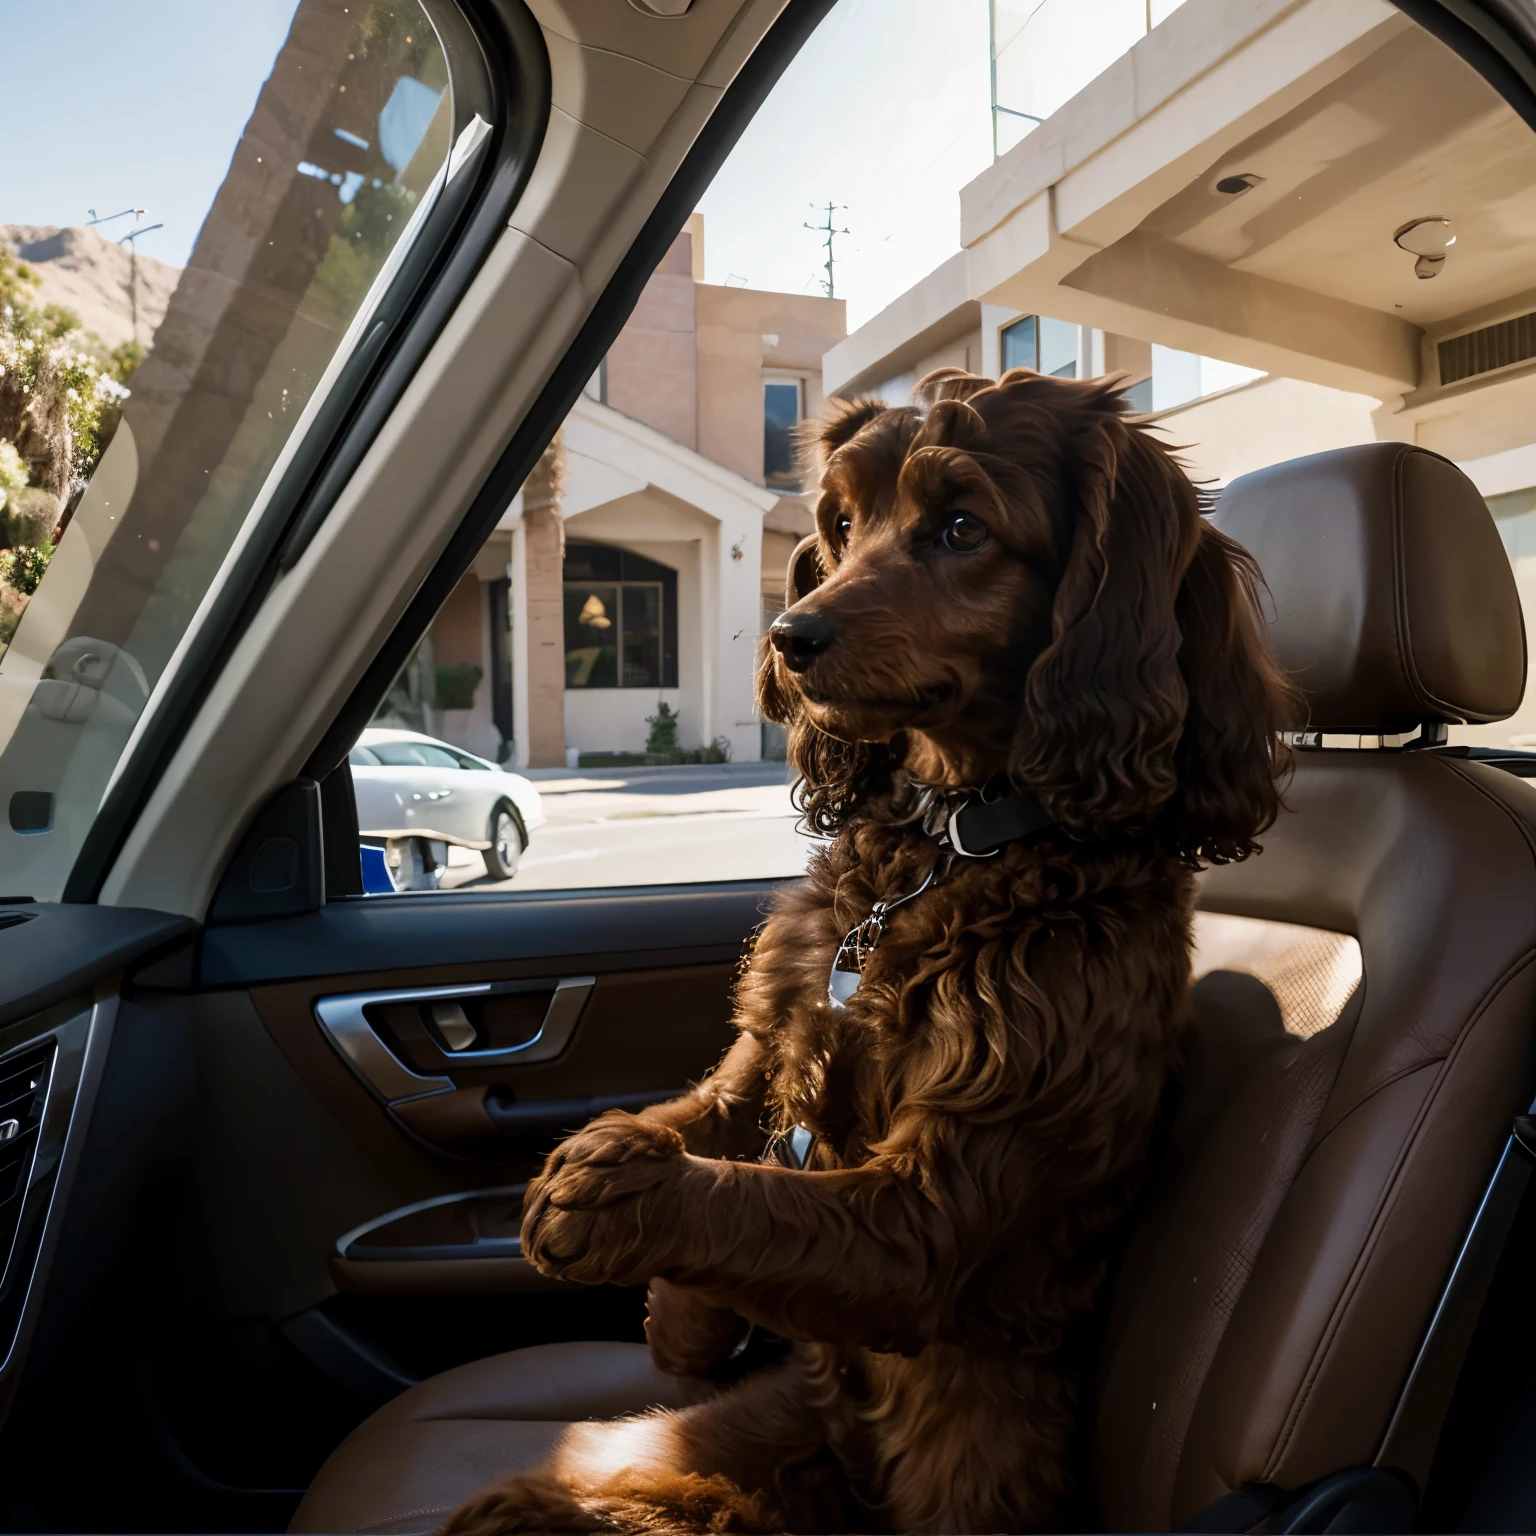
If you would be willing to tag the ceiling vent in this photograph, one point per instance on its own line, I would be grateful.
(1495, 346)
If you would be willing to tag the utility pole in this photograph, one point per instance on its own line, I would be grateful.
(830, 231)
(133, 255)
(133, 271)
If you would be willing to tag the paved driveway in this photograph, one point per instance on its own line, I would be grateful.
(653, 826)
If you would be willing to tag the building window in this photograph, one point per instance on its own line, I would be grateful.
(1019, 348)
(620, 619)
(1041, 343)
(1181, 377)
(781, 410)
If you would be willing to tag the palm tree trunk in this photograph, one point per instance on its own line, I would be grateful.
(544, 530)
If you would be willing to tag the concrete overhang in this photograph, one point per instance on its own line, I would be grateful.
(934, 311)
(1336, 121)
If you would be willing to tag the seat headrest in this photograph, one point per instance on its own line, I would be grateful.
(1394, 604)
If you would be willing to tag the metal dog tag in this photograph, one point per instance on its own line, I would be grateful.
(859, 942)
(842, 983)
(848, 964)
(791, 1148)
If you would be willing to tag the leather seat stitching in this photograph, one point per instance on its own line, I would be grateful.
(1400, 630)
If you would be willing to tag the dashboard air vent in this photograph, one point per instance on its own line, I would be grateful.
(23, 1094)
(1495, 346)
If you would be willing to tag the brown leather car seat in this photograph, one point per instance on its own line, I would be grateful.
(1363, 1038)
(1342, 1122)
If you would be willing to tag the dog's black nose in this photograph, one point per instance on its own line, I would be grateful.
(801, 637)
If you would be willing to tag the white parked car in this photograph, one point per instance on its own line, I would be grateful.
(411, 786)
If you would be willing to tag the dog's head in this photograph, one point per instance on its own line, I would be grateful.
(1014, 577)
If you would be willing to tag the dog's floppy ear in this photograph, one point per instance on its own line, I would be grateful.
(948, 384)
(1230, 757)
(1155, 702)
(1104, 702)
(819, 437)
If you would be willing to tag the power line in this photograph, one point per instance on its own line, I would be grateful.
(831, 232)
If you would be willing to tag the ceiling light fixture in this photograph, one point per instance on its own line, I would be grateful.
(1429, 239)
(1235, 185)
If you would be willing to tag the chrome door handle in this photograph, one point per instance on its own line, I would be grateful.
(345, 1022)
(554, 1032)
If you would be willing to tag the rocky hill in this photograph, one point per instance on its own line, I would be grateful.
(88, 274)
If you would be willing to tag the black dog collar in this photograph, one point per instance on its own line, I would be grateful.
(981, 827)
(978, 829)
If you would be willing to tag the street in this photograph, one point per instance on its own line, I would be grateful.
(652, 826)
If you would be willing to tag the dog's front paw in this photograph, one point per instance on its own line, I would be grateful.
(688, 1336)
(582, 1215)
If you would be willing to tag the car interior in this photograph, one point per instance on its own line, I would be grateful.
(262, 1203)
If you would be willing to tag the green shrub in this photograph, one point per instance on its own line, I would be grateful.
(455, 686)
(22, 568)
(662, 742)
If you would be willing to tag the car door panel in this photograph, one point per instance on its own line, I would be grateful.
(287, 1249)
(642, 1035)
(343, 1265)
(605, 929)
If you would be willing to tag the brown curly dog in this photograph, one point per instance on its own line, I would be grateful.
(1017, 593)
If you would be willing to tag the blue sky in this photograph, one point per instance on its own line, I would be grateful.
(885, 111)
(133, 103)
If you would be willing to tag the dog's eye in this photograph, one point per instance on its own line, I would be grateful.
(844, 528)
(964, 534)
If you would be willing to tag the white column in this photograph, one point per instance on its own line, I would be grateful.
(712, 551)
(741, 616)
(1090, 352)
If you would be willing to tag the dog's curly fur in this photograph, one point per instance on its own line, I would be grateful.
(983, 1105)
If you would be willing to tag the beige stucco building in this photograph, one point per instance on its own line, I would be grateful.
(1215, 214)
(678, 506)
